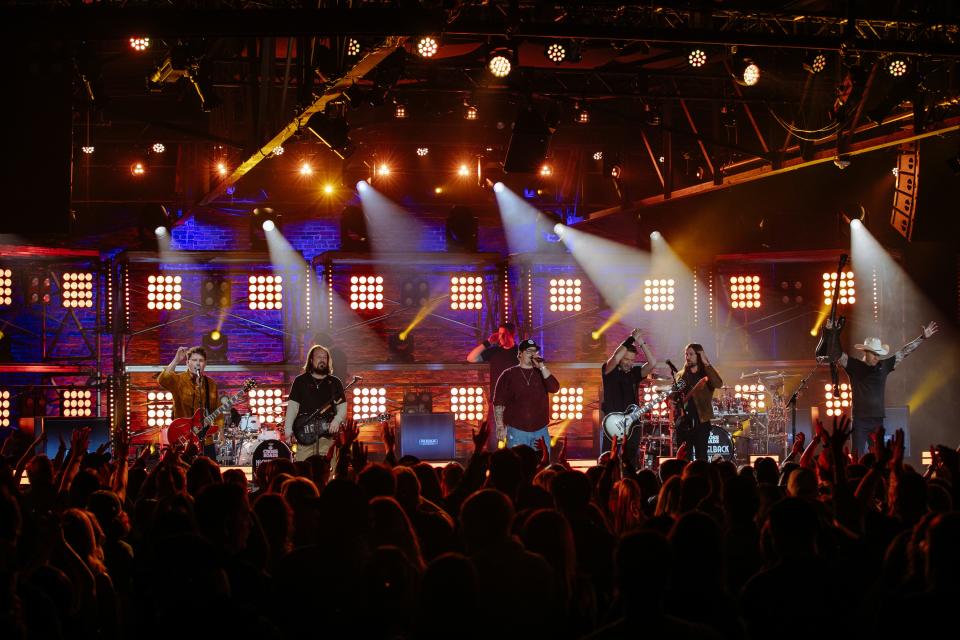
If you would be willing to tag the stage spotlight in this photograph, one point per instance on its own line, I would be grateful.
(269, 225)
(265, 292)
(400, 112)
(751, 74)
(815, 63)
(583, 116)
(215, 343)
(546, 171)
(39, 288)
(470, 113)
(328, 189)
(366, 293)
(266, 404)
(423, 151)
(87, 149)
(463, 171)
(744, 292)
(139, 43)
(6, 287)
(438, 190)
(598, 155)
(567, 404)
(159, 409)
(697, 58)
(164, 292)
(305, 169)
(160, 231)
(76, 403)
(555, 52)
(897, 67)
(278, 151)
(659, 294)
(500, 65)
(138, 169)
(400, 349)
(158, 147)
(353, 47)
(842, 161)
(222, 169)
(466, 293)
(427, 47)
(368, 402)
(414, 293)
(558, 229)
(565, 294)
(215, 293)
(76, 290)
(836, 405)
(462, 228)
(466, 403)
(847, 292)
(754, 394)
(498, 187)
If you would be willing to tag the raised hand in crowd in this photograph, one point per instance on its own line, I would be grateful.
(683, 451)
(359, 453)
(480, 436)
(389, 436)
(541, 446)
(560, 451)
(26, 457)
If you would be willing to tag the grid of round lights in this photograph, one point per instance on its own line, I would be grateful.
(369, 402)
(752, 393)
(745, 292)
(471, 113)
(565, 295)
(353, 47)
(400, 111)
(835, 406)
(427, 47)
(163, 292)
(660, 411)
(697, 58)
(500, 66)
(658, 295)
(422, 151)
(467, 403)
(265, 292)
(4, 408)
(139, 43)
(751, 75)
(466, 292)
(88, 149)
(819, 63)
(159, 147)
(77, 290)
(6, 287)
(138, 168)
(583, 116)
(556, 52)
(159, 408)
(897, 67)
(76, 403)
(568, 404)
(598, 155)
(366, 292)
(846, 294)
(266, 404)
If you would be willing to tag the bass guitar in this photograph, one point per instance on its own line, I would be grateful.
(307, 427)
(196, 428)
(620, 424)
(828, 348)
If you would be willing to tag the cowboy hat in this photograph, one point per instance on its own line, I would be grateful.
(873, 345)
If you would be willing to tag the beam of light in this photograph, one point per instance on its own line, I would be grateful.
(602, 329)
(929, 386)
(521, 221)
(392, 229)
(821, 318)
(559, 430)
(422, 314)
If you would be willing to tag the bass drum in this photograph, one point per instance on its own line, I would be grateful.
(719, 443)
(270, 450)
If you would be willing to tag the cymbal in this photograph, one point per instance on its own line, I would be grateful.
(757, 374)
(782, 376)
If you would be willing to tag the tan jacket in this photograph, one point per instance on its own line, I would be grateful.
(186, 400)
(703, 397)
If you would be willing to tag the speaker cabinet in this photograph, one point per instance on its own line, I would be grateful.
(428, 436)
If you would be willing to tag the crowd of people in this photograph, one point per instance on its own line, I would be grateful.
(513, 543)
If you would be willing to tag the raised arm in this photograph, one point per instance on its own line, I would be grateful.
(651, 362)
(911, 346)
(475, 355)
(715, 380)
(619, 352)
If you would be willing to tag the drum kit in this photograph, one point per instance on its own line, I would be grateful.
(749, 418)
(249, 443)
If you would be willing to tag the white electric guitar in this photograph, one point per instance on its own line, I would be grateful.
(620, 424)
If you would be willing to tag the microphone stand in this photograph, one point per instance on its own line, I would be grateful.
(792, 403)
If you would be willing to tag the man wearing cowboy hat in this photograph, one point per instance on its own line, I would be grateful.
(868, 378)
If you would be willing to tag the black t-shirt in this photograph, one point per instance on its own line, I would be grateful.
(620, 388)
(500, 360)
(312, 393)
(868, 385)
(691, 379)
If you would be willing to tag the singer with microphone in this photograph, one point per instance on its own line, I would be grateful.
(191, 389)
(521, 402)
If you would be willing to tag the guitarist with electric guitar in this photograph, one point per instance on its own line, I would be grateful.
(621, 375)
(693, 410)
(192, 392)
(316, 407)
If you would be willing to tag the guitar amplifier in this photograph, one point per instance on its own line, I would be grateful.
(428, 436)
(56, 427)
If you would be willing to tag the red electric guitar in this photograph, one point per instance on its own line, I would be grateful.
(196, 428)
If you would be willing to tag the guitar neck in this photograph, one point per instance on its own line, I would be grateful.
(216, 413)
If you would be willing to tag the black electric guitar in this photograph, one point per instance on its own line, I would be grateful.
(620, 424)
(307, 427)
(828, 348)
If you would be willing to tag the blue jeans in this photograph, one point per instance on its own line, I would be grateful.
(862, 428)
(516, 437)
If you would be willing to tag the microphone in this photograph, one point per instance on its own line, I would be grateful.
(672, 366)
